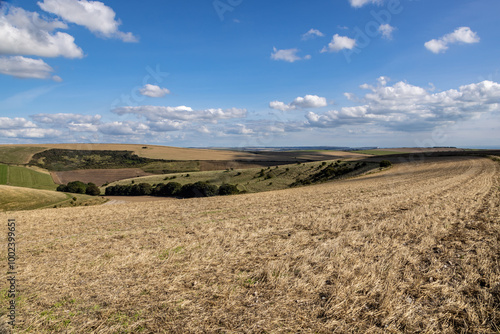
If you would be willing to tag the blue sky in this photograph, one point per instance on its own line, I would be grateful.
(232, 73)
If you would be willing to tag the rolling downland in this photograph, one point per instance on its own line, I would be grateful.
(411, 249)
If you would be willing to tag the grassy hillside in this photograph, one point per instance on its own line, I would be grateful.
(25, 177)
(4, 174)
(17, 198)
(413, 249)
(250, 180)
(17, 155)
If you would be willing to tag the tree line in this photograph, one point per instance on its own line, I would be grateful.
(173, 189)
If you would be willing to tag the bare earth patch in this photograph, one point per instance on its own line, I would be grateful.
(413, 249)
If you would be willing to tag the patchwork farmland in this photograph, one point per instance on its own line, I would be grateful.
(413, 248)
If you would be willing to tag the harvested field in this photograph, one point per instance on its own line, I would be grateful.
(97, 176)
(411, 249)
(135, 199)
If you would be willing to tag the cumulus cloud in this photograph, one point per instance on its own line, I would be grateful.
(94, 15)
(289, 55)
(361, 3)
(26, 68)
(181, 113)
(339, 43)
(15, 123)
(166, 125)
(460, 35)
(26, 33)
(122, 128)
(260, 127)
(33, 133)
(308, 101)
(312, 33)
(386, 30)
(66, 118)
(411, 108)
(154, 91)
(238, 129)
(71, 122)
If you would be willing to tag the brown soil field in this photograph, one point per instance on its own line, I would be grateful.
(97, 176)
(412, 249)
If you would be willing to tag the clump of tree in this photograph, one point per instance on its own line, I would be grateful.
(198, 189)
(141, 189)
(173, 189)
(78, 187)
(228, 189)
(64, 159)
(329, 172)
(385, 163)
(170, 189)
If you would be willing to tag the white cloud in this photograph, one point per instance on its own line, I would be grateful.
(33, 133)
(15, 123)
(26, 68)
(204, 129)
(339, 43)
(308, 101)
(26, 33)
(289, 55)
(181, 113)
(460, 35)
(386, 30)
(122, 128)
(383, 80)
(66, 118)
(154, 91)
(361, 3)
(312, 33)
(82, 127)
(406, 107)
(238, 129)
(166, 125)
(94, 15)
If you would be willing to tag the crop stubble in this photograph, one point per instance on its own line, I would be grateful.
(411, 249)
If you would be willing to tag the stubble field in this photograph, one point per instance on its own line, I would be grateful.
(411, 249)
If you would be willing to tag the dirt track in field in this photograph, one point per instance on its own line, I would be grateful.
(411, 249)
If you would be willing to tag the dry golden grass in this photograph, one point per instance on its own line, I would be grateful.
(413, 249)
(17, 198)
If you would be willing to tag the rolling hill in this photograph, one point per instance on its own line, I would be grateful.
(410, 249)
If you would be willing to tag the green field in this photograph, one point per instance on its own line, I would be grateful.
(4, 174)
(378, 152)
(160, 167)
(24, 177)
(17, 155)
